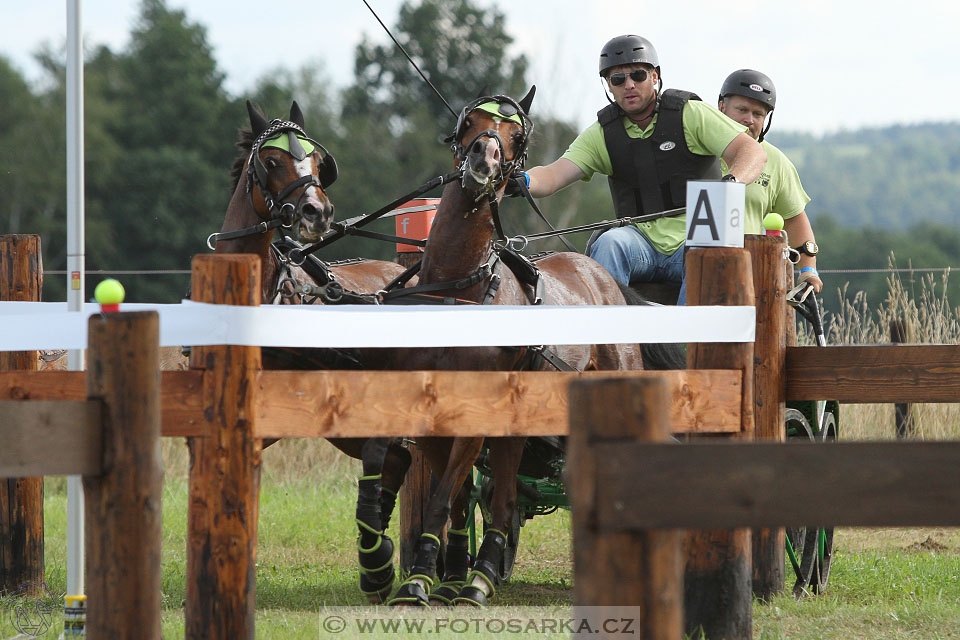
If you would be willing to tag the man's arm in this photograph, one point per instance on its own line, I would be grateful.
(745, 158)
(547, 180)
(799, 231)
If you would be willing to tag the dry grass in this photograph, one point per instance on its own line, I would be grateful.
(928, 319)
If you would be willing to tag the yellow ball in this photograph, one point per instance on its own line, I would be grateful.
(109, 291)
(773, 222)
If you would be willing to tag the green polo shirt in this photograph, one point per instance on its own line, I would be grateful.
(708, 132)
(777, 190)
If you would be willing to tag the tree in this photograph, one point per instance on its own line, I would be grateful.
(461, 48)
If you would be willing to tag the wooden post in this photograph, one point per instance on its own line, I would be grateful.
(635, 568)
(903, 411)
(224, 466)
(414, 494)
(415, 491)
(21, 499)
(717, 578)
(769, 391)
(123, 511)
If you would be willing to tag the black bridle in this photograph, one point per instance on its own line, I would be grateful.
(282, 214)
(507, 108)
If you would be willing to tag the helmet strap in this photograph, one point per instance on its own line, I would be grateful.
(767, 128)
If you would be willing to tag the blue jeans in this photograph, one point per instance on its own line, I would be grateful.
(629, 257)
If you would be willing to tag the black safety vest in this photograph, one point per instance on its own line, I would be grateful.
(651, 174)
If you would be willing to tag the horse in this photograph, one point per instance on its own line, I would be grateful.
(280, 180)
(489, 143)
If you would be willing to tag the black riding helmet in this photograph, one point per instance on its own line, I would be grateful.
(628, 50)
(751, 84)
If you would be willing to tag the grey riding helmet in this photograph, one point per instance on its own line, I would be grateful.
(628, 50)
(752, 84)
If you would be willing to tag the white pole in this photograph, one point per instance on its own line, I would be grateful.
(75, 267)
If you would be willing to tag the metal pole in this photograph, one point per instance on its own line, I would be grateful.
(75, 267)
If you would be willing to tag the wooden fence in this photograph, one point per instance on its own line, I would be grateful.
(225, 405)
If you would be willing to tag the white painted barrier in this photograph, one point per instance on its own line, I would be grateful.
(47, 325)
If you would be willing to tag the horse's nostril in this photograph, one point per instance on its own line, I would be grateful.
(477, 147)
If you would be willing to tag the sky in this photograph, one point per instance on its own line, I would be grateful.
(836, 65)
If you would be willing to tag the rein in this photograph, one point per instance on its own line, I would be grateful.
(350, 226)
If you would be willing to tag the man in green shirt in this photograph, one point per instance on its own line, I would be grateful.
(748, 97)
(649, 143)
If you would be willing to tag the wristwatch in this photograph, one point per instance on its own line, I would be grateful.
(729, 178)
(809, 248)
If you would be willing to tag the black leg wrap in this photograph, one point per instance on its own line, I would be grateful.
(376, 569)
(368, 505)
(455, 569)
(425, 562)
(411, 593)
(485, 567)
(388, 500)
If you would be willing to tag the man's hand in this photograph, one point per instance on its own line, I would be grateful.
(811, 277)
(517, 184)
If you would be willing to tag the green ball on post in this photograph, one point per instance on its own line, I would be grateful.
(773, 224)
(109, 293)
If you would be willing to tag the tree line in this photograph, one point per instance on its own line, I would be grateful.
(160, 133)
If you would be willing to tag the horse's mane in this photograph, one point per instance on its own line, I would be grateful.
(244, 143)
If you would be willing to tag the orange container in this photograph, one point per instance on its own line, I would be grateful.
(413, 220)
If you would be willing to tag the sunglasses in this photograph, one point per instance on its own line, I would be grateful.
(637, 75)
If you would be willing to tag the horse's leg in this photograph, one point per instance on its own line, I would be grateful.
(456, 560)
(453, 469)
(374, 547)
(505, 456)
(395, 466)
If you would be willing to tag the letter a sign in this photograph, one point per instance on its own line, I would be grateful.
(715, 214)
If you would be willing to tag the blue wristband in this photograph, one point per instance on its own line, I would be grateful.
(526, 176)
(811, 270)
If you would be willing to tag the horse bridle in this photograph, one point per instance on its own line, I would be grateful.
(257, 172)
(507, 108)
(284, 214)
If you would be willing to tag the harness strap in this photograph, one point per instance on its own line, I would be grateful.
(533, 205)
(485, 271)
(261, 227)
(351, 231)
(370, 217)
(535, 355)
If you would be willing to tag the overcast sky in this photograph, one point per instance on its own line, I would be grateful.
(836, 65)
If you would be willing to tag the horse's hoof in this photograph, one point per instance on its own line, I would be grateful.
(471, 596)
(445, 593)
(410, 594)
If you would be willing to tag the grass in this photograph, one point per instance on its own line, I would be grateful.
(885, 583)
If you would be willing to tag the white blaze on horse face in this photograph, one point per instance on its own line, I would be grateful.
(305, 168)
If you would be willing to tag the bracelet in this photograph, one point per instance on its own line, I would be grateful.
(812, 271)
(526, 176)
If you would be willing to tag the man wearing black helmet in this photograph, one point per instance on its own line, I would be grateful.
(749, 97)
(649, 143)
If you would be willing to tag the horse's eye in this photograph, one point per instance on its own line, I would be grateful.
(271, 163)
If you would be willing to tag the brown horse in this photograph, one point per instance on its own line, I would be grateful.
(490, 142)
(281, 179)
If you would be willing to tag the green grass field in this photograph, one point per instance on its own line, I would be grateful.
(886, 583)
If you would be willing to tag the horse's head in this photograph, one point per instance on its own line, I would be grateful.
(287, 173)
(490, 141)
